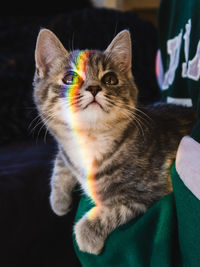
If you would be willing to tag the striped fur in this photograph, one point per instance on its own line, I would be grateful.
(132, 147)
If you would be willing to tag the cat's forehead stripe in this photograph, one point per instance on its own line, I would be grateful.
(79, 62)
(91, 58)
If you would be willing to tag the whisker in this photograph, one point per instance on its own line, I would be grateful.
(72, 100)
(43, 125)
(131, 113)
(73, 97)
(143, 113)
(135, 120)
(45, 135)
(31, 123)
(133, 109)
(45, 121)
(39, 122)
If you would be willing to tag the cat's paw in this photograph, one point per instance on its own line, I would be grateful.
(87, 237)
(60, 204)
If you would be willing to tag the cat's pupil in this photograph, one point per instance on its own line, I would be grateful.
(110, 79)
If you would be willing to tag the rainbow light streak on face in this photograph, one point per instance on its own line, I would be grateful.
(71, 92)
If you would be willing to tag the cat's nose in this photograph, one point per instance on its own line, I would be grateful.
(94, 89)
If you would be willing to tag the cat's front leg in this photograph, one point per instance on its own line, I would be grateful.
(62, 185)
(92, 230)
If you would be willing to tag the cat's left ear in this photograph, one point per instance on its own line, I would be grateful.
(48, 51)
(120, 49)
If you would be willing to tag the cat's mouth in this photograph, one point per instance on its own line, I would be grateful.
(94, 103)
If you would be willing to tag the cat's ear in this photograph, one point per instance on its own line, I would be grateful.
(48, 51)
(120, 49)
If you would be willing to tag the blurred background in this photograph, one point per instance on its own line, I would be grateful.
(146, 9)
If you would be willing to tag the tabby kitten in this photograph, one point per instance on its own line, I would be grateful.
(120, 154)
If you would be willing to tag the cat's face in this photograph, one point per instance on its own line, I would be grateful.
(89, 88)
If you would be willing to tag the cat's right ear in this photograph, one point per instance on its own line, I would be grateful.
(120, 49)
(48, 51)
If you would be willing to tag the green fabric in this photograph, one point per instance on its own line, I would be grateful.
(168, 234)
(188, 214)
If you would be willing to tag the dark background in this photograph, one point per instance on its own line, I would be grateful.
(30, 234)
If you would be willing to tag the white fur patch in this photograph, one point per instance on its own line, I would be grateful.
(188, 164)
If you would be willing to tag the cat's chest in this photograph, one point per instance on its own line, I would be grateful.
(85, 150)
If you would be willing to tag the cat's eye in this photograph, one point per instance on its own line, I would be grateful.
(71, 78)
(110, 79)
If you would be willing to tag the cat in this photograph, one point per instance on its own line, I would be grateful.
(118, 152)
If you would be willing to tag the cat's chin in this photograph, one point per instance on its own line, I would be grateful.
(93, 116)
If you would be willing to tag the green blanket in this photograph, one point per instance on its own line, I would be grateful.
(168, 234)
